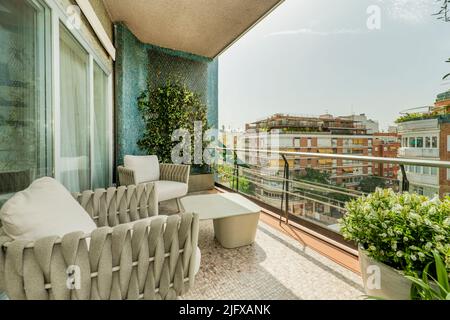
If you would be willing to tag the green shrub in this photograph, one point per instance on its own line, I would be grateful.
(400, 230)
(164, 109)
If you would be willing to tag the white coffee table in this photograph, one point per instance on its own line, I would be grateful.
(235, 217)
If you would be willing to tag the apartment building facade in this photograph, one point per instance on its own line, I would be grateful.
(310, 197)
(323, 134)
(386, 145)
(428, 138)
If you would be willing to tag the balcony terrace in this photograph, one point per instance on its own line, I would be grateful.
(283, 263)
(80, 93)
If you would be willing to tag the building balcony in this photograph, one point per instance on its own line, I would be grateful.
(283, 263)
(418, 152)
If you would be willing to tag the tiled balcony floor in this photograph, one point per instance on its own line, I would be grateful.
(276, 266)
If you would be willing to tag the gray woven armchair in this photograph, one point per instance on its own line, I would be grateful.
(172, 181)
(133, 254)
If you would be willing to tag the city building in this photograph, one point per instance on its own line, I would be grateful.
(442, 103)
(322, 134)
(310, 134)
(427, 136)
(372, 126)
(385, 145)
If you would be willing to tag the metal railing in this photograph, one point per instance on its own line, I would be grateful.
(287, 183)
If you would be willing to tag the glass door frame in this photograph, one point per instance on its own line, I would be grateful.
(59, 17)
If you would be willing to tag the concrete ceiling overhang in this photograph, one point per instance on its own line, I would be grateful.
(201, 27)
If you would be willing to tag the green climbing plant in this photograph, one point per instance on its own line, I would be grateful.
(165, 109)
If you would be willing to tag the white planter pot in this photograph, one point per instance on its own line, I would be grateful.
(382, 281)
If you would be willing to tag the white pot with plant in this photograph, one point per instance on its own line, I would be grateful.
(398, 235)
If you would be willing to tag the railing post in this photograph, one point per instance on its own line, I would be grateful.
(405, 182)
(236, 170)
(285, 195)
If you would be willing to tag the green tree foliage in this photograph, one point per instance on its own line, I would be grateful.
(314, 175)
(416, 116)
(369, 184)
(165, 109)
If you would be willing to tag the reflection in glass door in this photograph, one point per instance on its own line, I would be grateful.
(25, 111)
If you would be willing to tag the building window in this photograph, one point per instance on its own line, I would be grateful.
(309, 142)
(419, 142)
(25, 105)
(427, 142)
(433, 171)
(412, 142)
(418, 190)
(405, 142)
(434, 142)
(297, 142)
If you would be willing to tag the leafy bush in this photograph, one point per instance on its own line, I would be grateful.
(416, 116)
(165, 109)
(400, 230)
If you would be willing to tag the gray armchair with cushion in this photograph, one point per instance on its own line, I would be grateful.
(171, 180)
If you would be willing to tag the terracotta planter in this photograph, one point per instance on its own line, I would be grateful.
(390, 285)
(201, 182)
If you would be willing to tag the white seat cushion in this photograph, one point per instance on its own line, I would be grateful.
(168, 190)
(44, 209)
(146, 168)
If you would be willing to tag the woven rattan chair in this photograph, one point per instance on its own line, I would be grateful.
(134, 253)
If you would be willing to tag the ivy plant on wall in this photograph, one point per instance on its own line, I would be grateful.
(167, 108)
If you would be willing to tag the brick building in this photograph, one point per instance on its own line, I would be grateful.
(385, 145)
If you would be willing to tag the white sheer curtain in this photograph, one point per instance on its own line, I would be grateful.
(100, 161)
(74, 155)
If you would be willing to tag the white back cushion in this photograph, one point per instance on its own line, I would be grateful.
(146, 168)
(44, 209)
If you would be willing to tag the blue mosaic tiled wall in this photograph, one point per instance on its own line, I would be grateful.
(137, 63)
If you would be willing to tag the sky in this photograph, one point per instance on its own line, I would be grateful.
(309, 57)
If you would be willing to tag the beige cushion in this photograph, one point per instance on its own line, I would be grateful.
(168, 190)
(44, 209)
(146, 168)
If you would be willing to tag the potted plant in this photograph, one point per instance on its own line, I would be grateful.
(433, 284)
(165, 109)
(397, 235)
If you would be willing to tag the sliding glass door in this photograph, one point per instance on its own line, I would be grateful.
(100, 149)
(55, 101)
(74, 164)
(85, 130)
(25, 104)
